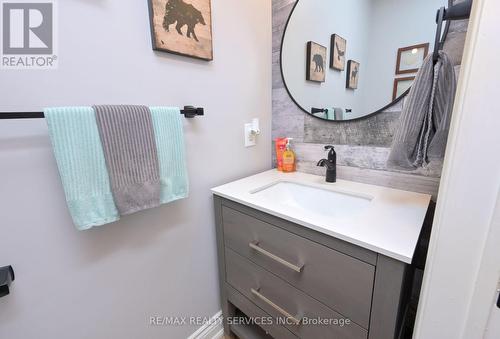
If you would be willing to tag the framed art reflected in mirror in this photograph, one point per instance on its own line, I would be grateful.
(401, 85)
(410, 58)
(352, 74)
(337, 52)
(315, 64)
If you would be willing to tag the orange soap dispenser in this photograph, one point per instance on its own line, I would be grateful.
(288, 158)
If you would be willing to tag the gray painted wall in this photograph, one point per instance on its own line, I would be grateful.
(362, 146)
(106, 282)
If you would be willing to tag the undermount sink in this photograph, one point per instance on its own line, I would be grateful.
(380, 219)
(310, 199)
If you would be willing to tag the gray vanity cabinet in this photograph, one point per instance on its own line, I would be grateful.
(298, 283)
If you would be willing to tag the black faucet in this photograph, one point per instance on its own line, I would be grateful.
(330, 164)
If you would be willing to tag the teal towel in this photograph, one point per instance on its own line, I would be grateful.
(330, 115)
(80, 159)
(169, 139)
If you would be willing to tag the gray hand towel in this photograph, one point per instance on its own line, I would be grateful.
(128, 141)
(424, 123)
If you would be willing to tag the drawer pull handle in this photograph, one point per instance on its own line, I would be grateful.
(259, 249)
(276, 307)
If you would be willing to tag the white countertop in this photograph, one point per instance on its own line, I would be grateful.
(389, 225)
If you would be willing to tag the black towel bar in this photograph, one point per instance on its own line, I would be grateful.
(6, 278)
(456, 12)
(318, 110)
(188, 112)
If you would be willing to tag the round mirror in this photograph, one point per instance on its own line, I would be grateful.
(347, 59)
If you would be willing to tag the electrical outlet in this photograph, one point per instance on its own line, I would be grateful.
(250, 138)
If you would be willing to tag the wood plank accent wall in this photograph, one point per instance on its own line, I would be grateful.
(362, 146)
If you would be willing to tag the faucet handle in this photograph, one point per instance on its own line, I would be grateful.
(332, 156)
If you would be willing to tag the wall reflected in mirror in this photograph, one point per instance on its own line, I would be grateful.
(346, 59)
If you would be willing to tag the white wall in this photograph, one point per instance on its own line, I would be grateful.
(106, 282)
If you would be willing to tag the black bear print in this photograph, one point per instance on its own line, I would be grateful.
(184, 14)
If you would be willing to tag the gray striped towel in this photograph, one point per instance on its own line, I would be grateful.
(425, 121)
(128, 141)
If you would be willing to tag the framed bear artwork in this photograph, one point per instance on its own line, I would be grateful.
(182, 27)
(315, 62)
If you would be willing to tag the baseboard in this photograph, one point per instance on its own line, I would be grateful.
(213, 329)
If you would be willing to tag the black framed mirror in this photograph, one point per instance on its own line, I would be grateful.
(345, 60)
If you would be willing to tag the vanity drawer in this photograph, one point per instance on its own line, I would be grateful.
(341, 282)
(262, 318)
(280, 299)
